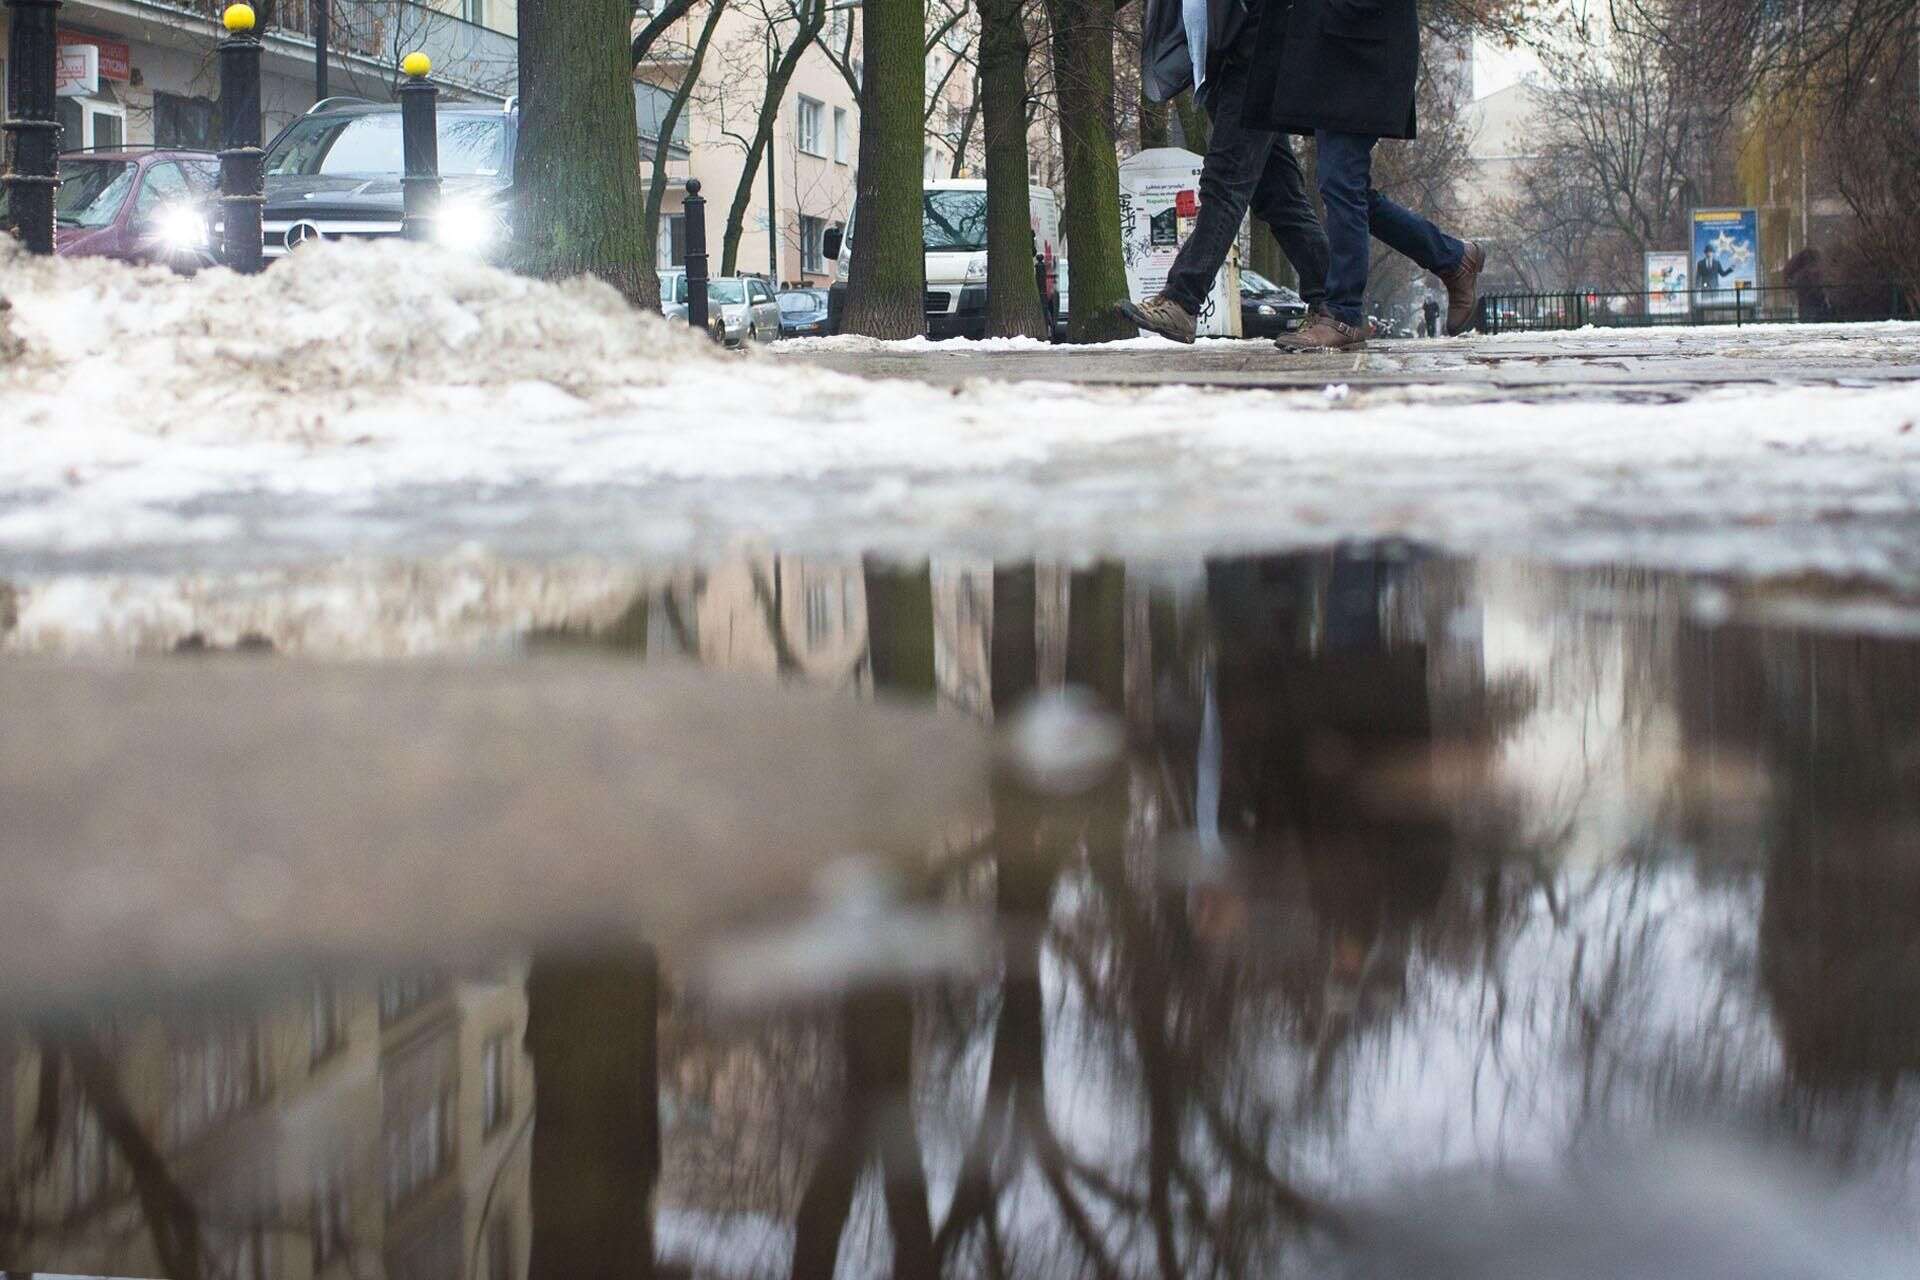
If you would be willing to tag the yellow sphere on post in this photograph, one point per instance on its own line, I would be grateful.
(238, 18)
(417, 65)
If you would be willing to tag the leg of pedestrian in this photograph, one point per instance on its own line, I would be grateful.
(1282, 203)
(1345, 166)
(1458, 263)
(1235, 164)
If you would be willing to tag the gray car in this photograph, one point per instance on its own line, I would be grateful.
(744, 305)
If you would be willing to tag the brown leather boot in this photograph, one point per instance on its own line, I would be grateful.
(1323, 333)
(1462, 289)
(1160, 314)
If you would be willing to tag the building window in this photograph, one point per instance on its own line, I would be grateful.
(92, 1161)
(496, 1083)
(474, 11)
(326, 1029)
(676, 240)
(217, 1076)
(330, 1218)
(401, 994)
(811, 140)
(838, 27)
(840, 135)
(190, 123)
(419, 1149)
(813, 240)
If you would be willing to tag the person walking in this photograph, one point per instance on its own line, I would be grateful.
(1344, 71)
(1431, 309)
(1243, 166)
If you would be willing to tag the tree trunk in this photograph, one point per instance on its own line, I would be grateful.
(900, 644)
(1194, 126)
(1267, 258)
(592, 1032)
(1083, 79)
(577, 168)
(887, 279)
(1154, 128)
(657, 185)
(1014, 308)
(812, 18)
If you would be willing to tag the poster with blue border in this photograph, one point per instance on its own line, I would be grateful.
(1726, 254)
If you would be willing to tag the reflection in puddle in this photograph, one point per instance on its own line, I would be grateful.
(1347, 914)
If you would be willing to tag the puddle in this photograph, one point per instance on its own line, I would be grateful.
(1352, 914)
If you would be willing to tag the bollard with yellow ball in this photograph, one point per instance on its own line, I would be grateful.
(242, 180)
(419, 148)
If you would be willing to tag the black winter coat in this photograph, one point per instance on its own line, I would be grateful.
(1348, 66)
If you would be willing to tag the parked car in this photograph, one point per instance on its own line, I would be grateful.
(135, 204)
(1268, 309)
(334, 174)
(803, 312)
(1059, 316)
(954, 226)
(741, 308)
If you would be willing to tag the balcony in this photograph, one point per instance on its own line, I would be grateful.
(465, 55)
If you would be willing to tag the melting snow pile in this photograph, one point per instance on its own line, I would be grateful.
(337, 321)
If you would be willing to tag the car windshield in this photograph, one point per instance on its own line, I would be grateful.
(726, 291)
(1254, 282)
(955, 221)
(91, 192)
(369, 146)
(799, 303)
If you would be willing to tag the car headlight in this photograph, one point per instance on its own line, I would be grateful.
(182, 230)
(976, 270)
(467, 227)
(1265, 309)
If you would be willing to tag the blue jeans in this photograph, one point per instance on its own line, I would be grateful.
(1356, 212)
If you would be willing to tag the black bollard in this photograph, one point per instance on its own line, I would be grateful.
(696, 205)
(30, 183)
(420, 146)
(242, 175)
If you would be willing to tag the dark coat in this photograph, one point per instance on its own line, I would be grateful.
(1347, 66)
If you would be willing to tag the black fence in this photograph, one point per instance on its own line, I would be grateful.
(1531, 312)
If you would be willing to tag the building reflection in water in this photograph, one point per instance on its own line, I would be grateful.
(1411, 870)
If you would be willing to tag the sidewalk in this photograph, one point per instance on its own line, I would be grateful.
(1592, 363)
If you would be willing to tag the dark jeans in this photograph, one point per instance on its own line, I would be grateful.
(1355, 211)
(1247, 165)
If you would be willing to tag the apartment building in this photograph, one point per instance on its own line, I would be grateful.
(815, 146)
(158, 77)
(376, 1127)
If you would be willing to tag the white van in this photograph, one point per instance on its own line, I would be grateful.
(954, 222)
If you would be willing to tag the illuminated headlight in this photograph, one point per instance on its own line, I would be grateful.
(182, 230)
(469, 228)
(1265, 310)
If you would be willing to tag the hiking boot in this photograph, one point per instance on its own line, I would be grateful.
(1159, 314)
(1462, 292)
(1323, 333)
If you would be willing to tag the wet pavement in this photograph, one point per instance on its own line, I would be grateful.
(1354, 913)
(1595, 364)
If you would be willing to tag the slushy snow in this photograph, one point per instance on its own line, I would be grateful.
(395, 400)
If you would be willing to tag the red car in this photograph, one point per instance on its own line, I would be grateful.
(135, 204)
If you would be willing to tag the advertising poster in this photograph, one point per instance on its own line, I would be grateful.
(1726, 254)
(1159, 203)
(1667, 282)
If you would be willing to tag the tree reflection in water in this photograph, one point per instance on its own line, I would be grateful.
(1411, 870)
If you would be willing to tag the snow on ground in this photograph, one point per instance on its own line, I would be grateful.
(394, 400)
